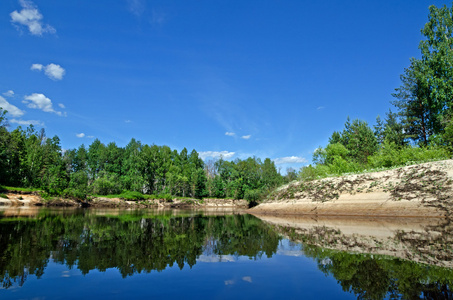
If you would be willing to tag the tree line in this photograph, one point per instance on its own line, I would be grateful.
(29, 159)
(131, 243)
(422, 127)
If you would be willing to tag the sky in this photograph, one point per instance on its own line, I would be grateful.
(233, 78)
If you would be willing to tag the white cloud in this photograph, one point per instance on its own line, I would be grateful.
(247, 278)
(40, 101)
(12, 110)
(36, 67)
(30, 17)
(217, 154)
(90, 136)
(320, 107)
(290, 160)
(80, 135)
(53, 71)
(27, 122)
(127, 121)
(61, 105)
(246, 137)
(230, 133)
(9, 93)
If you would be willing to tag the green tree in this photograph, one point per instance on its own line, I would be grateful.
(419, 119)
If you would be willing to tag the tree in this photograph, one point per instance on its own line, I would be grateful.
(425, 97)
(419, 120)
(437, 56)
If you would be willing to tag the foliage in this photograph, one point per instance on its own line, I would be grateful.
(390, 155)
(131, 242)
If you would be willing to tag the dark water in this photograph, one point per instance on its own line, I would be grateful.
(73, 254)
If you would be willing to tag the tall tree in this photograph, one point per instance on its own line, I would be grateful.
(418, 117)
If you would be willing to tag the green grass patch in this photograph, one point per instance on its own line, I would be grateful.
(18, 189)
(3, 196)
(137, 196)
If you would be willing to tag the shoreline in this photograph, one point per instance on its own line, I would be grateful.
(422, 190)
(26, 199)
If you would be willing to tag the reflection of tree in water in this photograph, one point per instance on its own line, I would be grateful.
(130, 243)
(378, 277)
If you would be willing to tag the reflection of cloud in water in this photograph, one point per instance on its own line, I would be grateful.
(232, 281)
(290, 252)
(65, 274)
(216, 258)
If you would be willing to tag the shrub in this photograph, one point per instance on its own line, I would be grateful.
(389, 155)
(132, 195)
(252, 195)
(106, 184)
(74, 193)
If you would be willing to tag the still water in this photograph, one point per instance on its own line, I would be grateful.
(114, 254)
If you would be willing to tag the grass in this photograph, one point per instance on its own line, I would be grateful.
(372, 170)
(135, 196)
(18, 189)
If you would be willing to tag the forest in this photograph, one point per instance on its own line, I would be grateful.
(420, 129)
(138, 171)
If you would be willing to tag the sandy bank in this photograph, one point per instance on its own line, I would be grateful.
(412, 191)
(18, 199)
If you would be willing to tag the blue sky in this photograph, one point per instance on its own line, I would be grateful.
(243, 78)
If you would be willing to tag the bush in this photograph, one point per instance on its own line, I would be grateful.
(74, 193)
(341, 166)
(106, 184)
(166, 197)
(132, 195)
(252, 195)
(310, 172)
(389, 155)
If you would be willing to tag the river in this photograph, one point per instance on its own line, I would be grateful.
(114, 254)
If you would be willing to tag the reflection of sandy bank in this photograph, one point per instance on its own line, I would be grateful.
(376, 227)
(421, 240)
(33, 211)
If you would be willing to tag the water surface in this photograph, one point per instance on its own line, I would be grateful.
(114, 254)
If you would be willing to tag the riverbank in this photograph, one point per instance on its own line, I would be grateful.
(423, 240)
(423, 190)
(18, 198)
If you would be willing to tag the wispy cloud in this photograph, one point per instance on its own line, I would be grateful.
(216, 154)
(40, 101)
(30, 17)
(157, 17)
(136, 7)
(61, 105)
(290, 160)
(27, 122)
(53, 71)
(320, 107)
(12, 110)
(230, 133)
(246, 137)
(9, 93)
(80, 135)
